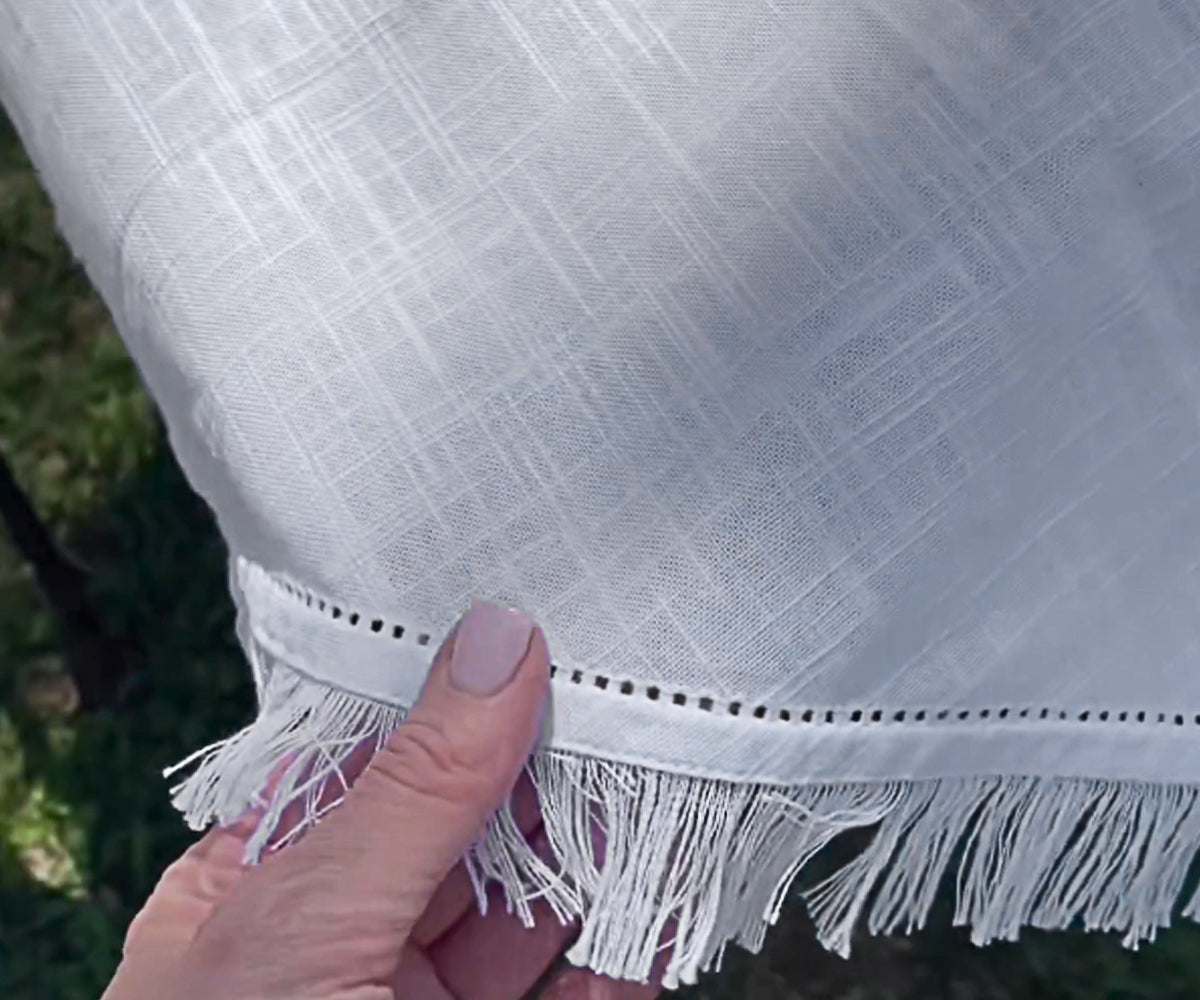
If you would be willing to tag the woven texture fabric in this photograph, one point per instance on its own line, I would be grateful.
(805, 355)
(824, 377)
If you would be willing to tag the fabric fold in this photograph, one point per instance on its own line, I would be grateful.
(823, 378)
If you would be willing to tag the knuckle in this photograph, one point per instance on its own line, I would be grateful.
(134, 934)
(427, 762)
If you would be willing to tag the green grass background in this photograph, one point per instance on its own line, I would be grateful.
(85, 825)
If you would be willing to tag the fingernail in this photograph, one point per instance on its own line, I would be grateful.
(490, 644)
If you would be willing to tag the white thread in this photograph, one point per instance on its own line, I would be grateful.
(692, 863)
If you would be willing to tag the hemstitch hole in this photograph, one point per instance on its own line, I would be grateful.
(706, 703)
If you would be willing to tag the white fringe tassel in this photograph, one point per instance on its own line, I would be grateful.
(687, 865)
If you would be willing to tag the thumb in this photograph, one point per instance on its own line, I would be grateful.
(331, 913)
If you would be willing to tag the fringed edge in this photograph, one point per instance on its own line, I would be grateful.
(298, 744)
(689, 864)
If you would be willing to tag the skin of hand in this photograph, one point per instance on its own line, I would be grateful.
(373, 902)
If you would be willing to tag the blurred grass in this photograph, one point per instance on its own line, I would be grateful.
(85, 826)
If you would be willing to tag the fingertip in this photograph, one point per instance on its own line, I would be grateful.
(533, 675)
(539, 653)
(518, 703)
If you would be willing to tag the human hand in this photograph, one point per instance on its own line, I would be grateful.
(373, 903)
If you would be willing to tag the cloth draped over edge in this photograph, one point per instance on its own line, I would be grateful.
(824, 378)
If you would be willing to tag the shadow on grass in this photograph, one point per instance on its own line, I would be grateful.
(159, 575)
(940, 963)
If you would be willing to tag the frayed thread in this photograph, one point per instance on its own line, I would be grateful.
(651, 862)
(299, 743)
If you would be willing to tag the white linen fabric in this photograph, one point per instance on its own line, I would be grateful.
(824, 378)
